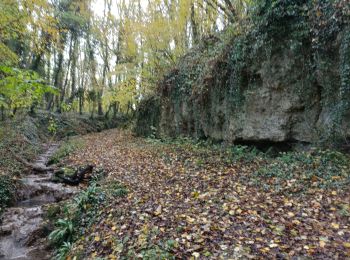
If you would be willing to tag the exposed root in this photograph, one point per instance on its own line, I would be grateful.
(77, 177)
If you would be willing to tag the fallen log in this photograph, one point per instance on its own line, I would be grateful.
(77, 177)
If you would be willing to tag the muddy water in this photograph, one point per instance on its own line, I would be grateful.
(22, 229)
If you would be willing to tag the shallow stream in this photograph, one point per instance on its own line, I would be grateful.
(22, 229)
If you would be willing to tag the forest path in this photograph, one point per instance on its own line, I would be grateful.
(193, 202)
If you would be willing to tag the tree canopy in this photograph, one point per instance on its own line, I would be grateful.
(102, 54)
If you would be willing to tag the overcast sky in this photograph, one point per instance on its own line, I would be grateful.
(98, 6)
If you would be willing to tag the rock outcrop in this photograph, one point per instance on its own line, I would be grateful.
(272, 84)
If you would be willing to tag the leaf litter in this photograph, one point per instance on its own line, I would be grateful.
(190, 202)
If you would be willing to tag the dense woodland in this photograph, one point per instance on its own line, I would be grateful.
(98, 56)
(174, 129)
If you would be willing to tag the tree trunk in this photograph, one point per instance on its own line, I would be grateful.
(73, 68)
(58, 78)
(194, 26)
(81, 100)
(63, 91)
(99, 104)
(2, 113)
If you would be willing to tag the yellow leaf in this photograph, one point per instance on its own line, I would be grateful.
(273, 245)
(158, 211)
(322, 244)
(97, 238)
(114, 228)
(346, 244)
(296, 222)
(265, 249)
(334, 193)
(196, 254)
(196, 194)
(335, 225)
(291, 214)
(189, 219)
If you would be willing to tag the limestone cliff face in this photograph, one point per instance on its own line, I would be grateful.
(271, 110)
(276, 92)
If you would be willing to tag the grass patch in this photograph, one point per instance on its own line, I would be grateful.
(65, 149)
(116, 189)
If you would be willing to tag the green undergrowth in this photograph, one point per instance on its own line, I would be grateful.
(65, 149)
(21, 138)
(161, 251)
(292, 172)
(74, 220)
(296, 172)
(24, 135)
(228, 153)
(7, 192)
(72, 124)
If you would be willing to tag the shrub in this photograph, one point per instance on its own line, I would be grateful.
(75, 216)
(92, 195)
(78, 215)
(64, 249)
(63, 232)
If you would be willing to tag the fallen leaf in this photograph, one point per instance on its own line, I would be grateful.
(291, 214)
(322, 244)
(158, 211)
(335, 225)
(196, 254)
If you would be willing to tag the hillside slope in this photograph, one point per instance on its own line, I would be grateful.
(285, 77)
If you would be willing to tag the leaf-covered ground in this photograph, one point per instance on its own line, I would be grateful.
(188, 201)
